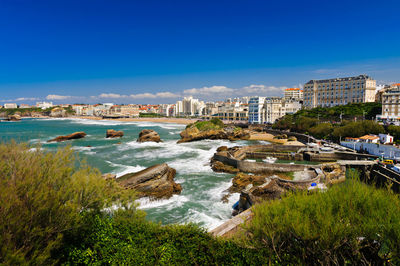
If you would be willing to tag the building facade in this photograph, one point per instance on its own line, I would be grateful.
(256, 110)
(10, 105)
(276, 107)
(339, 91)
(295, 94)
(390, 105)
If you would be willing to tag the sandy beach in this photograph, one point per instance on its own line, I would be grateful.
(270, 138)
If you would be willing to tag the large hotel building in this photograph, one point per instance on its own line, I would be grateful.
(339, 91)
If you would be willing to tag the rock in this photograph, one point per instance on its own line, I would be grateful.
(58, 112)
(241, 180)
(222, 148)
(218, 166)
(192, 133)
(148, 135)
(109, 176)
(76, 135)
(14, 118)
(155, 182)
(111, 133)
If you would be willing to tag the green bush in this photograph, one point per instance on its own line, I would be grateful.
(42, 196)
(127, 239)
(358, 129)
(214, 123)
(351, 223)
(321, 131)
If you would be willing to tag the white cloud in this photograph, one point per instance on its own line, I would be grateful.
(209, 90)
(137, 96)
(27, 99)
(262, 90)
(57, 97)
(111, 95)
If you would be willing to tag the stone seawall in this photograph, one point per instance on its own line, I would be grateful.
(260, 168)
(334, 156)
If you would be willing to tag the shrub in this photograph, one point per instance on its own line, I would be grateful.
(125, 238)
(42, 196)
(350, 223)
(358, 129)
(214, 123)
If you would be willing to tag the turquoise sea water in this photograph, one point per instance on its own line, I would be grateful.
(202, 189)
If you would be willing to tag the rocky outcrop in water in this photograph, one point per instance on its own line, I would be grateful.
(192, 133)
(111, 133)
(14, 118)
(155, 182)
(58, 112)
(76, 135)
(148, 135)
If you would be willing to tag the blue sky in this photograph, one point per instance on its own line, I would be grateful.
(158, 51)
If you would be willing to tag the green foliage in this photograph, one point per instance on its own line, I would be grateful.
(394, 131)
(214, 123)
(358, 129)
(321, 131)
(351, 223)
(348, 111)
(42, 196)
(150, 115)
(126, 238)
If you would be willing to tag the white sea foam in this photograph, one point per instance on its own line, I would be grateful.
(125, 169)
(173, 202)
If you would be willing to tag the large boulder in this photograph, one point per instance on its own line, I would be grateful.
(155, 182)
(111, 133)
(76, 135)
(148, 135)
(192, 133)
(15, 117)
(58, 112)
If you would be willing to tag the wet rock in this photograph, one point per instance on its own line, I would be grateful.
(148, 135)
(155, 182)
(218, 166)
(76, 135)
(14, 118)
(111, 133)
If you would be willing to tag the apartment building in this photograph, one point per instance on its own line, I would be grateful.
(390, 104)
(44, 105)
(339, 91)
(256, 110)
(276, 107)
(232, 111)
(295, 94)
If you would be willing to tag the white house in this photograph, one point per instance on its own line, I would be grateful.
(385, 138)
(369, 139)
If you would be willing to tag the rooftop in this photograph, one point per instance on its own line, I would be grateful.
(360, 77)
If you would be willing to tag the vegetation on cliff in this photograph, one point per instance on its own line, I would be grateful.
(55, 209)
(350, 223)
(337, 122)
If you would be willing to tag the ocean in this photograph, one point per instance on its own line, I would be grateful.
(202, 189)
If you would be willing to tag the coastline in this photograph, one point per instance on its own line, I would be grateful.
(183, 121)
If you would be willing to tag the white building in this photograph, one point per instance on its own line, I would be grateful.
(10, 105)
(295, 94)
(276, 107)
(44, 105)
(192, 106)
(390, 104)
(385, 138)
(256, 110)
